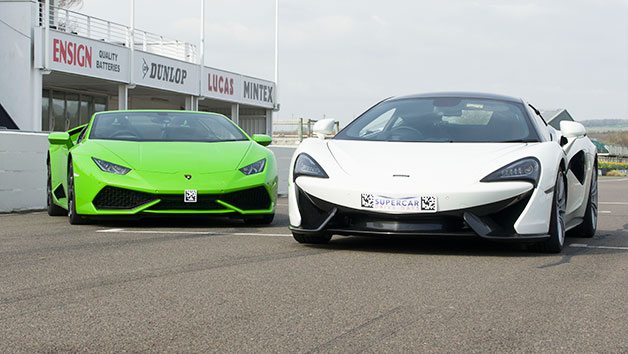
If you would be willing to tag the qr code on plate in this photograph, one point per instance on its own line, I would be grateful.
(190, 196)
(367, 200)
(428, 203)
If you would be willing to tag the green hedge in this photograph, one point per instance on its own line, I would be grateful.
(613, 165)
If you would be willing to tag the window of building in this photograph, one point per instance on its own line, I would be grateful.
(61, 110)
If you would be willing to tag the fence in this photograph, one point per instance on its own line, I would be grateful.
(296, 129)
(95, 28)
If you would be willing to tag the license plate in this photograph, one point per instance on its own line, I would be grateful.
(422, 204)
(190, 196)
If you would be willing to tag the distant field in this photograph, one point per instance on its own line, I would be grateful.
(607, 129)
(605, 125)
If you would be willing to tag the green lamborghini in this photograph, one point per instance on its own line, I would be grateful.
(142, 163)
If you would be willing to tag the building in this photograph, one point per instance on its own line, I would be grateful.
(60, 66)
(553, 117)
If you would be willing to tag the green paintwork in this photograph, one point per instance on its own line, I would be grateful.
(159, 167)
(262, 139)
(60, 138)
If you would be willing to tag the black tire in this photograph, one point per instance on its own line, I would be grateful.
(73, 217)
(589, 223)
(53, 209)
(557, 219)
(265, 219)
(321, 238)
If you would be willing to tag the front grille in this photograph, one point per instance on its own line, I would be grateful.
(120, 198)
(249, 199)
(175, 202)
(114, 198)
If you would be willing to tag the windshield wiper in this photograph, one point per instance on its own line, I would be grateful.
(519, 141)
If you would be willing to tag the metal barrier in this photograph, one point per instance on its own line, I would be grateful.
(304, 128)
(96, 28)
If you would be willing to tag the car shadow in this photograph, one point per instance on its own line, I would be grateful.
(186, 222)
(429, 245)
(455, 246)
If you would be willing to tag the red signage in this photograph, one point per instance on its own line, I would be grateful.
(70, 53)
(220, 84)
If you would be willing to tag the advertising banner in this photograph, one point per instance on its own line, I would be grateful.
(82, 56)
(99, 59)
(165, 73)
(258, 92)
(220, 84)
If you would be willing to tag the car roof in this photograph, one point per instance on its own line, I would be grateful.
(460, 94)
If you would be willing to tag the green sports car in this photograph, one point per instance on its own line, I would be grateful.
(160, 162)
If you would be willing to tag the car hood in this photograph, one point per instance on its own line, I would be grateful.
(174, 157)
(423, 162)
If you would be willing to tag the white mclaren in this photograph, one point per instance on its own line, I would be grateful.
(446, 164)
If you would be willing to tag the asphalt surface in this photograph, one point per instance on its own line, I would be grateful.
(193, 286)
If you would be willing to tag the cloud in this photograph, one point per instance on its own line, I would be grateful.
(339, 57)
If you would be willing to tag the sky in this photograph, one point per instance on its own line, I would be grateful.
(338, 58)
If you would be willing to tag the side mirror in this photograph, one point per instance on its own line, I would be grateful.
(262, 139)
(324, 127)
(571, 129)
(60, 138)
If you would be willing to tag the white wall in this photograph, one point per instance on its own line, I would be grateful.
(20, 81)
(22, 171)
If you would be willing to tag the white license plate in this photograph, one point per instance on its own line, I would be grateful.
(190, 196)
(422, 204)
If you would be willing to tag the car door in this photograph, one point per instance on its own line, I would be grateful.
(580, 158)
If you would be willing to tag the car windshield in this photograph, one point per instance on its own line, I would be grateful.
(442, 119)
(164, 126)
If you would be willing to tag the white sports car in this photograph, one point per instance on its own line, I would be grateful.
(446, 164)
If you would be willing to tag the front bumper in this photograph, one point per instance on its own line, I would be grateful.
(144, 193)
(492, 221)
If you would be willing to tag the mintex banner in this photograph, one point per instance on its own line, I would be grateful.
(258, 92)
(164, 73)
(77, 55)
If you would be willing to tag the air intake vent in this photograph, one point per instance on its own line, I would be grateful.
(249, 199)
(120, 198)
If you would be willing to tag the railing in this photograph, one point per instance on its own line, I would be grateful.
(283, 129)
(95, 28)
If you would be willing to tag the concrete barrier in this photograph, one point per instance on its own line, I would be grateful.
(23, 170)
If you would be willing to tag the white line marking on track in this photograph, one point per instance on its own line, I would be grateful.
(614, 203)
(613, 180)
(583, 245)
(604, 211)
(225, 233)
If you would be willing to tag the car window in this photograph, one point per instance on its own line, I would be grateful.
(443, 119)
(81, 136)
(164, 126)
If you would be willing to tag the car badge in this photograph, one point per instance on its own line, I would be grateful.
(188, 177)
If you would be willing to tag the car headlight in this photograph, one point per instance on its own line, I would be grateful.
(111, 167)
(307, 166)
(526, 169)
(255, 167)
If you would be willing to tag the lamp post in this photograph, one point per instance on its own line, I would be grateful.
(276, 36)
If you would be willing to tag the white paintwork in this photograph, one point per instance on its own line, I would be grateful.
(449, 171)
(572, 129)
(324, 127)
